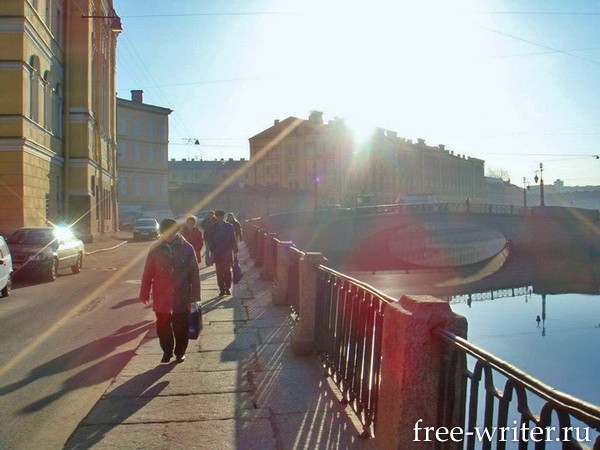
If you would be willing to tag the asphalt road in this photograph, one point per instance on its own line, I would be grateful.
(63, 342)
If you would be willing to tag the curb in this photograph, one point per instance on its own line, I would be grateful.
(106, 249)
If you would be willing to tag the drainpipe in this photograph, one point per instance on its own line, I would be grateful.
(66, 114)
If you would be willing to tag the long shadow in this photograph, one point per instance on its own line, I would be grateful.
(134, 394)
(81, 355)
(124, 303)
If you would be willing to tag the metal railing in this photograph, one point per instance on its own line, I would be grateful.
(348, 335)
(570, 411)
(294, 278)
(445, 208)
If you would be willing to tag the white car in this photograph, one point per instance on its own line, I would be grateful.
(5, 268)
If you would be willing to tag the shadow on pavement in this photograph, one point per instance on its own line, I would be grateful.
(135, 392)
(82, 355)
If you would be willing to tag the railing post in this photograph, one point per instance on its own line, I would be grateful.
(303, 334)
(412, 363)
(268, 261)
(260, 243)
(280, 290)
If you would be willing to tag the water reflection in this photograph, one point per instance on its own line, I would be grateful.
(542, 316)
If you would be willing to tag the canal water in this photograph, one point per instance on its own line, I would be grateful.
(502, 302)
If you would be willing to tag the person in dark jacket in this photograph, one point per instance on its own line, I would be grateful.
(224, 247)
(206, 225)
(236, 226)
(171, 273)
(193, 235)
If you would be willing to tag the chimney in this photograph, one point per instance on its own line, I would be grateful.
(442, 147)
(137, 96)
(276, 122)
(173, 159)
(316, 117)
(183, 159)
(243, 159)
(420, 141)
(230, 159)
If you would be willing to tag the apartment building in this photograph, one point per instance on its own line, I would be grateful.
(327, 161)
(143, 137)
(57, 114)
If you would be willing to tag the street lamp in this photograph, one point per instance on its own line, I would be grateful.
(524, 193)
(541, 178)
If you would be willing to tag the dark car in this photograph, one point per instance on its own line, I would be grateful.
(44, 251)
(146, 229)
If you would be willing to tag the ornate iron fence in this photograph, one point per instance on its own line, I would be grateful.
(348, 335)
(294, 278)
(576, 418)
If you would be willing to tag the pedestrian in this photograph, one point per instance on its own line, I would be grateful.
(224, 245)
(468, 204)
(171, 274)
(207, 225)
(236, 226)
(193, 235)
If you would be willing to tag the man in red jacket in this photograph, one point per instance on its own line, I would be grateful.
(193, 235)
(171, 273)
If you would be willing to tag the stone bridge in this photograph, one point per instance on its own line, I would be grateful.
(391, 237)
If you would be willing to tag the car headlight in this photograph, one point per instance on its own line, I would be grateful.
(39, 257)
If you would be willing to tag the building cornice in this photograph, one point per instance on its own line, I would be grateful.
(124, 103)
(12, 144)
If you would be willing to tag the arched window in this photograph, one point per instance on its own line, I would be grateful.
(57, 111)
(47, 101)
(34, 89)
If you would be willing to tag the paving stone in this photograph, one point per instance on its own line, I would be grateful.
(225, 315)
(291, 391)
(274, 335)
(242, 359)
(220, 342)
(280, 357)
(175, 408)
(320, 428)
(180, 383)
(247, 434)
(271, 312)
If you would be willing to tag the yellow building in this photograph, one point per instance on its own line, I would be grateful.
(143, 136)
(57, 111)
(325, 159)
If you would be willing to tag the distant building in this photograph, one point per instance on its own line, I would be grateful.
(143, 137)
(57, 133)
(500, 192)
(324, 159)
(195, 186)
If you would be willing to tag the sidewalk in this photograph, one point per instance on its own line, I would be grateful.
(108, 242)
(239, 387)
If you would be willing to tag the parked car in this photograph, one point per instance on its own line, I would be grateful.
(45, 251)
(146, 229)
(6, 268)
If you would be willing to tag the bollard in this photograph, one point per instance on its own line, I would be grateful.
(268, 270)
(411, 366)
(280, 290)
(260, 242)
(303, 334)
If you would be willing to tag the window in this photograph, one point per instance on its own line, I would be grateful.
(151, 155)
(123, 186)
(150, 129)
(164, 188)
(34, 88)
(137, 128)
(137, 186)
(137, 153)
(150, 188)
(57, 111)
(123, 125)
(122, 151)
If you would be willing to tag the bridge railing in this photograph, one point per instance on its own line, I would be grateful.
(444, 207)
(402, 362)
(348, 334)
(576, 419)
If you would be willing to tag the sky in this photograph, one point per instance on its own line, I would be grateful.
(515, 83)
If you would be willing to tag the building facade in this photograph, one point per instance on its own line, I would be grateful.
(143, 138)
(57, 114)
(325, 159)
(195, 186)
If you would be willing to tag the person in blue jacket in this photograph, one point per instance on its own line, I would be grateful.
(224, 247)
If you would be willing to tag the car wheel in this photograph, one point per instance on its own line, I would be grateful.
(52, 272)
(6, 290)
(77, 267)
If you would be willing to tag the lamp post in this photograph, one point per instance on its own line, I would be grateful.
(525, 187)
(242, 184)
(541, 178)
